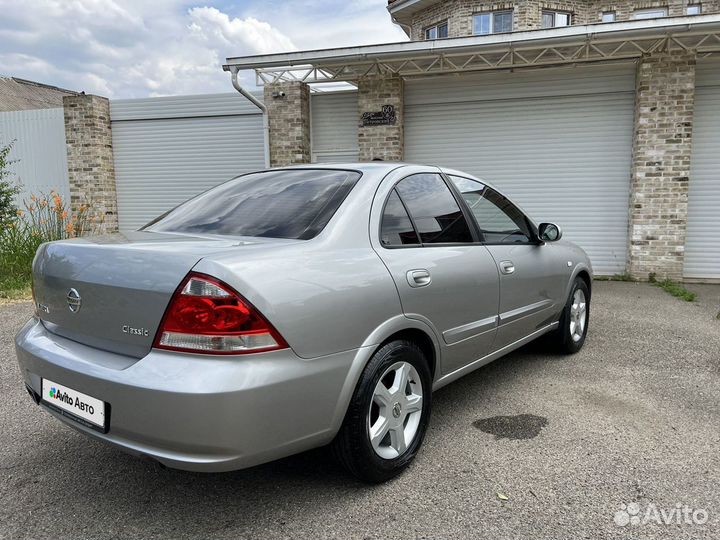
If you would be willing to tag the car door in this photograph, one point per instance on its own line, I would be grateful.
(444, 276)
(532, 278)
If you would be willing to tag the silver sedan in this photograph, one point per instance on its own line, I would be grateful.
(293, 308)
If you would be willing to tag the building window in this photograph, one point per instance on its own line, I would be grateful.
(652, 13)
(555, 19)
(439, 31)
(608, 16)
(694, 9)
(495, 22)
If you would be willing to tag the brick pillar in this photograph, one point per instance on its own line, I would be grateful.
(91, 168)
(288, 105)
(381, 141)
(664, 105)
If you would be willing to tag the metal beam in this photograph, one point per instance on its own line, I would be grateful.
(553, 37)
(591, 49)
(557, 46)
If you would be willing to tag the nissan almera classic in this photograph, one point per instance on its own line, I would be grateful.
(293, 308)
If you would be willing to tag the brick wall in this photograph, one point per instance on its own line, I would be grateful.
(527, 13)
(289, 122)
(660, 173)
(624, 9)
(91, 169)
(383, 142)
(458, 13)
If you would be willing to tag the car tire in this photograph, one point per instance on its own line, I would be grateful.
(570, 336)
(384, 456)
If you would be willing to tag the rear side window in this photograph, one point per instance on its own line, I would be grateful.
(276, 204)
(434, 210)
(396, 228)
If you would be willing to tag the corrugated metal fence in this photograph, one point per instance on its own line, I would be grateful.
(38, 150)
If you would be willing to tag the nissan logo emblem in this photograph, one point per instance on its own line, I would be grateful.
(74, 301)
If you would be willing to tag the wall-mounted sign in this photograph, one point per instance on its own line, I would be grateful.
(386, 117)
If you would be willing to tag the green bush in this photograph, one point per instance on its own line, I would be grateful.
(8, 189)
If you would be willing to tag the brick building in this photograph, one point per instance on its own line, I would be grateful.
(458, 18)
(602, 116)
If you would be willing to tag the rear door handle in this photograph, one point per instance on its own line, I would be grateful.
(418, 277)
(507, 267)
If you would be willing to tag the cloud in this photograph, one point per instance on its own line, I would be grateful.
(138, 48)
(318, 24)
(214, 27)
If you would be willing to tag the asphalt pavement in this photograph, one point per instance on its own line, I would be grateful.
(602, 444)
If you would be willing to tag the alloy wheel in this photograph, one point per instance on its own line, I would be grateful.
(395, 411)
(578, 315)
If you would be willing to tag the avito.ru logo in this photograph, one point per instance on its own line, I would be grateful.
(56, 394)
(631, 514)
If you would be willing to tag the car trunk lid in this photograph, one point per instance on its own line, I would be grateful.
(111, 292)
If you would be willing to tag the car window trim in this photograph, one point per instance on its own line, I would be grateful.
(534, 240)
(473, 232)
(461, 205)
(412, 222)
(465, 207)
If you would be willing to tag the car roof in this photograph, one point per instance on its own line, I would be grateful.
(376, 167)
(381, 168)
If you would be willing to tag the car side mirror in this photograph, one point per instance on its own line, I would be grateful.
(549, 232)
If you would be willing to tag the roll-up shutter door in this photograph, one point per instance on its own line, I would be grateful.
(557, 141)
(169, 149)
(334, 124)
(702, 246)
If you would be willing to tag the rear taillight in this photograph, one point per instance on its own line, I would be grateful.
(207, 316)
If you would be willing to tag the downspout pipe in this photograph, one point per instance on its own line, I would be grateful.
(260, 105)
(405, 27)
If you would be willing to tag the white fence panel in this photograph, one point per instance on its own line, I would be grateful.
(38, 149)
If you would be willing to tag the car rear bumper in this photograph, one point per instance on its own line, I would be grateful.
(196, 412)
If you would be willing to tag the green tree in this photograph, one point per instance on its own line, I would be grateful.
(8, 189)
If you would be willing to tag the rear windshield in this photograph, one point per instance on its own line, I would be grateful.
(277, 204)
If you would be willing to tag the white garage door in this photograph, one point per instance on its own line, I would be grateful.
(702, 247)
(169, 149)
(334, 127)
(557, 141)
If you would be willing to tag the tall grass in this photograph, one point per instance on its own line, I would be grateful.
(44, 218)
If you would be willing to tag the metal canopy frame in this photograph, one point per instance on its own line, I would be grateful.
(592, 43)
